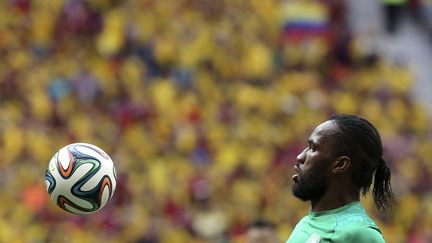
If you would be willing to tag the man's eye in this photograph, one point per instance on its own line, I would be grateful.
(312, 147)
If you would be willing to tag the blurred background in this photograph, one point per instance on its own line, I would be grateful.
(203, 106)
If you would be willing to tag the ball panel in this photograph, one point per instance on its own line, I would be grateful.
(64, 162)
(50, 182)
(87, 171)
(90, 150)
(88, 185)
(114, 173)
(68, 205)
(105, 192)
(73, 210)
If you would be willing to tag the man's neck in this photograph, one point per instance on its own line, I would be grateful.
(332, 201)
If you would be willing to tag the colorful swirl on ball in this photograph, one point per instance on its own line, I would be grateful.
(63, 201)
(66, 173)
(97, 150)
(90, 196)
(106, 182)
(52, 183)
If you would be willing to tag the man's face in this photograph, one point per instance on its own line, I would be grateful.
(311, 179)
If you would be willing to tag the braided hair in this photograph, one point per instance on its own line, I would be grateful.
(358, 139)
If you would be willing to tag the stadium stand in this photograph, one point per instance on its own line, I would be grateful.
(203, 106)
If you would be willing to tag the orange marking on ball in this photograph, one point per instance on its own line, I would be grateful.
(105, 182)
(68, 171)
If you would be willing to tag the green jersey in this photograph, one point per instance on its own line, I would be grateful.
(349, 223)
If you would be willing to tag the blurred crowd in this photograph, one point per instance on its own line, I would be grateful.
(203, 106)
(395, 11)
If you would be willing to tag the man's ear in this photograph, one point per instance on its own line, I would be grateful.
(341, 165)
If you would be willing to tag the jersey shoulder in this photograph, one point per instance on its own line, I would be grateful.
(359, 233)
(300, 232)
(354, 225)
(355, 215)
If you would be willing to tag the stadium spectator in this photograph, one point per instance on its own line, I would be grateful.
(192, 100)
(261, 231)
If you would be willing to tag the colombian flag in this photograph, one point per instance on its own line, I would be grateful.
(304, 19)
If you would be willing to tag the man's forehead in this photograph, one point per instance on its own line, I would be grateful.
(324, 129)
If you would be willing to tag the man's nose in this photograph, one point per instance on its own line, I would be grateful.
(300, 156)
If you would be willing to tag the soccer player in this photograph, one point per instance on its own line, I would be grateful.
(342, 161)
(261, 231)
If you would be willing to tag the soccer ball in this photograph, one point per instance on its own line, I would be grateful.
(81, 178)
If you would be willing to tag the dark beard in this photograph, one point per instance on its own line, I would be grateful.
(310, 186)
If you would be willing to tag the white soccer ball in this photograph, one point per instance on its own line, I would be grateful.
(81, 178)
